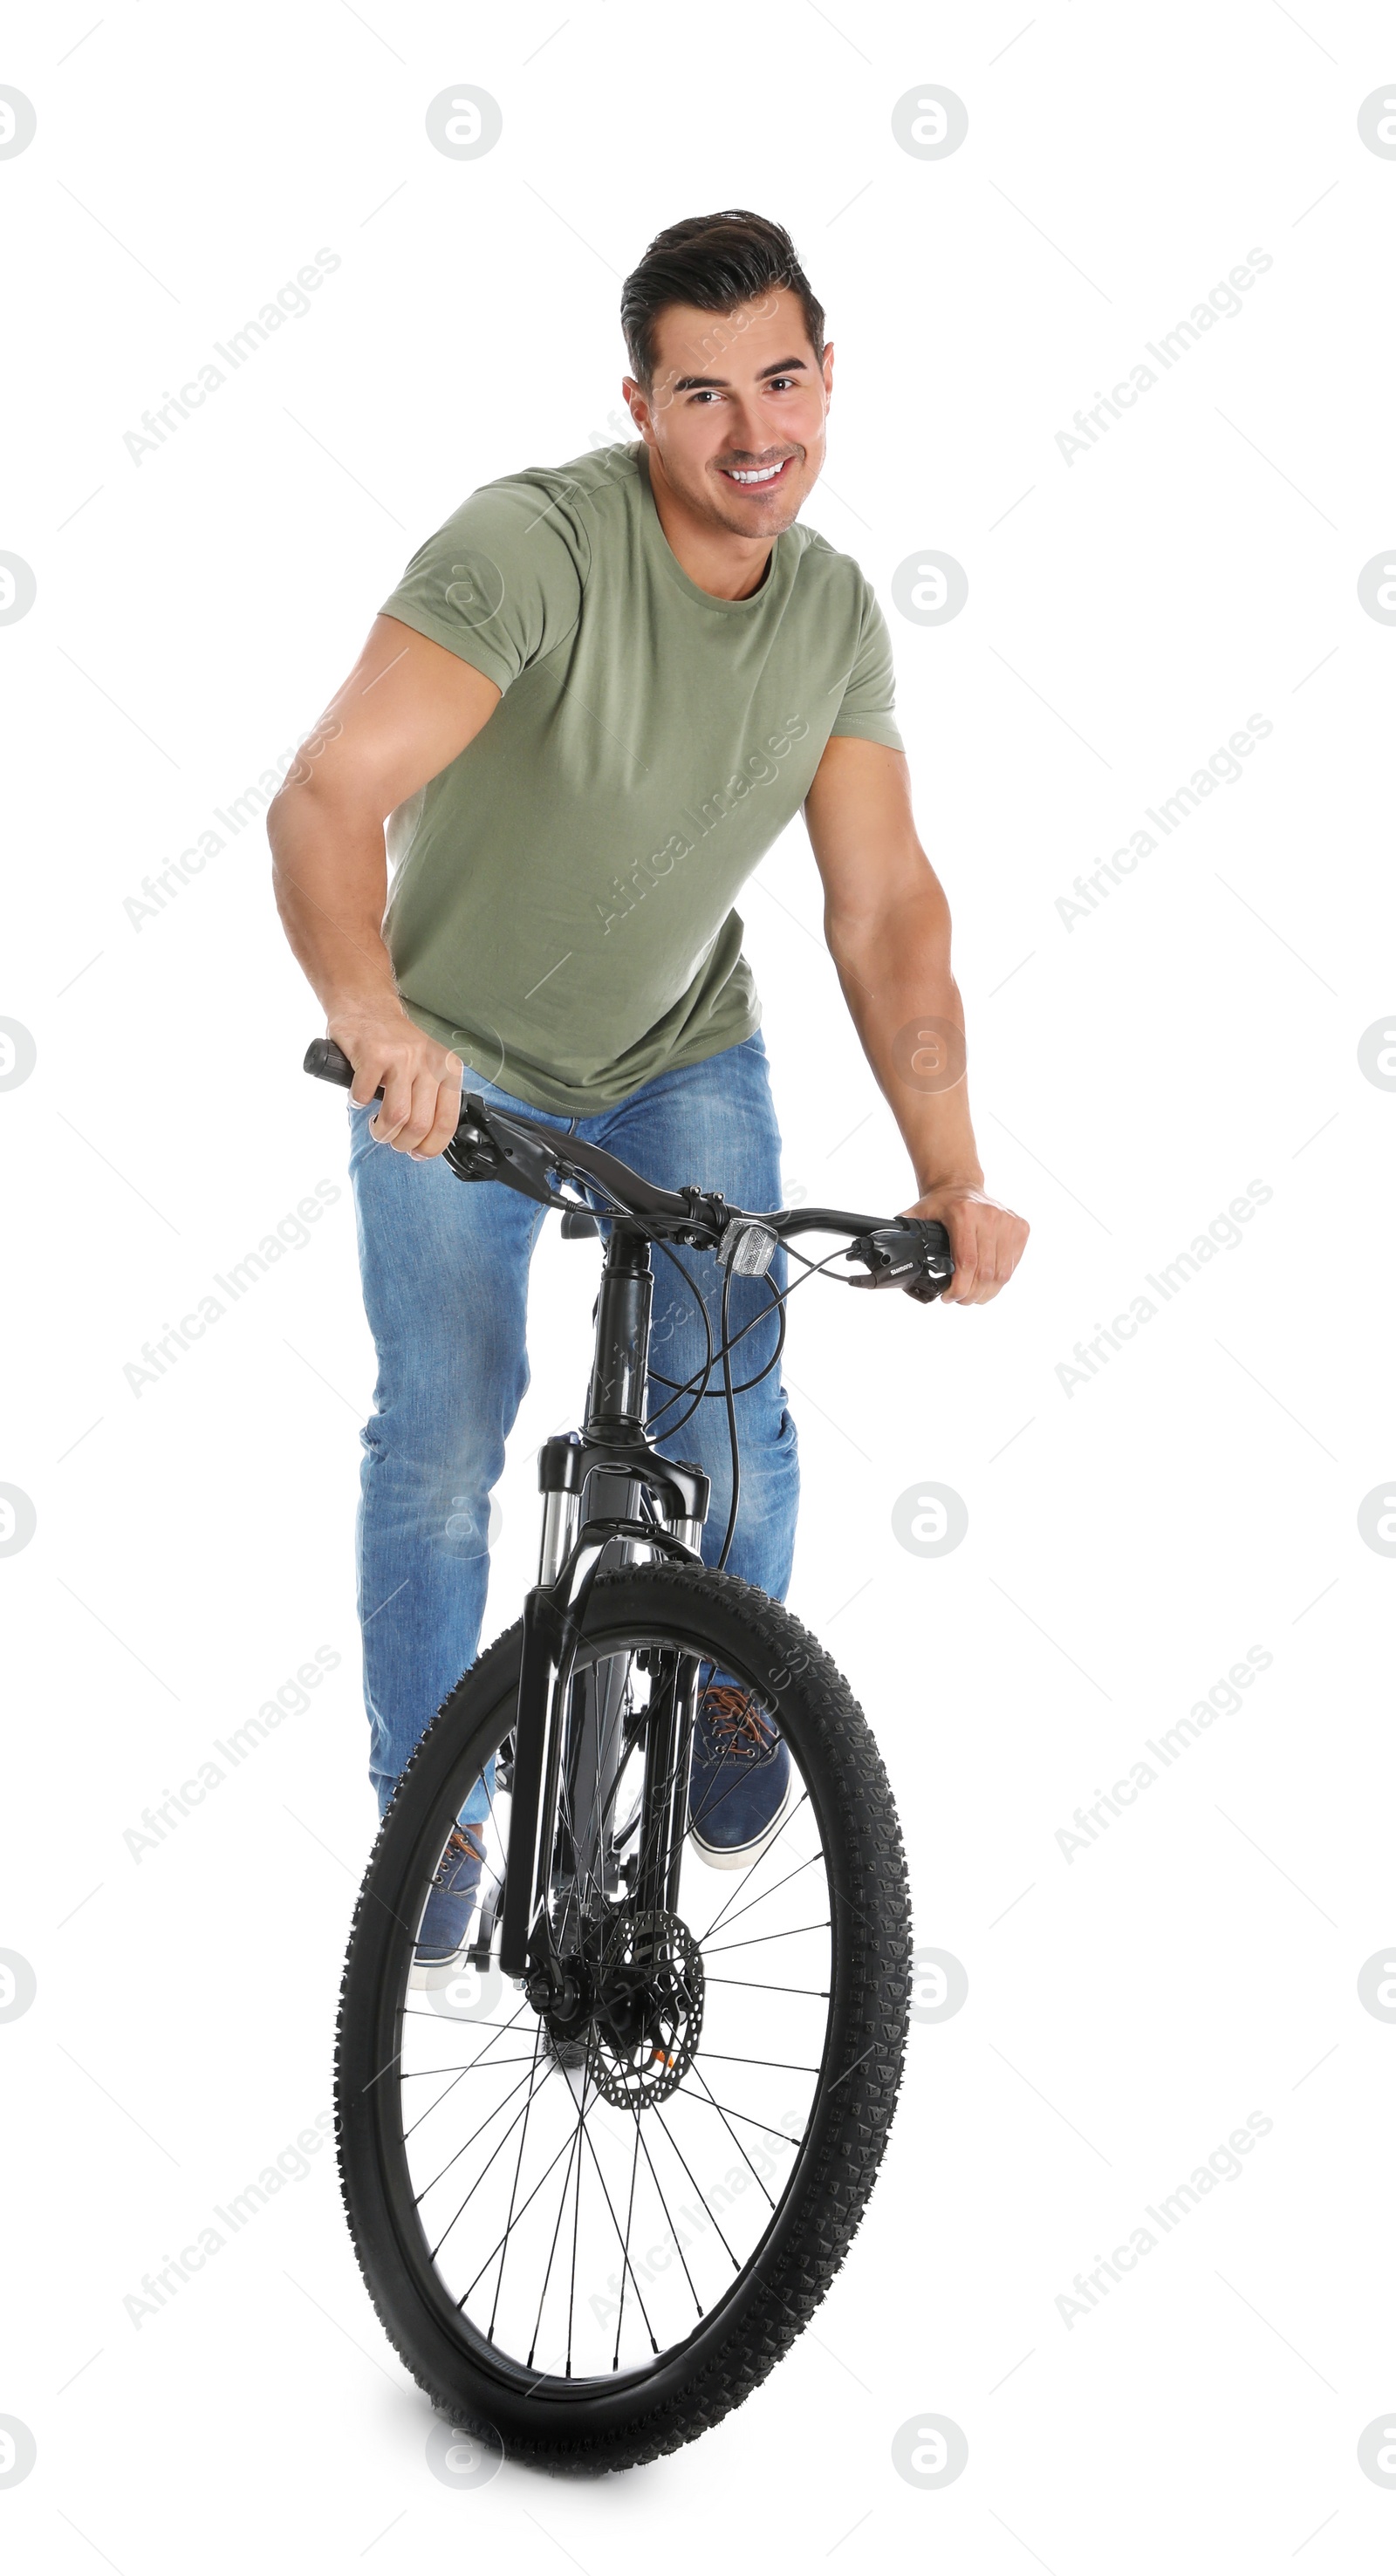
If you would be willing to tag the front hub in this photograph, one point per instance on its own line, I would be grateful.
(648, 2009)
(559, 1989)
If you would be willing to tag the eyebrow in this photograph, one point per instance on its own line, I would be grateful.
(696, 384)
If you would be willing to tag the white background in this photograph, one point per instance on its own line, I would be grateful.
(1127, 1542)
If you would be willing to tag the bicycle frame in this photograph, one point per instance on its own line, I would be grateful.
(632, 1497)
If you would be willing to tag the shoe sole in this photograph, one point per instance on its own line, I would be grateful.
(741, 1855)
(429, 1976)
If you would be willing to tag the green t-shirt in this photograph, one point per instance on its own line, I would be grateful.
(561, 913)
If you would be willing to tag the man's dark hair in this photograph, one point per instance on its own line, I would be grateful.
(716, 262)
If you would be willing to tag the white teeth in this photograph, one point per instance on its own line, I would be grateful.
(763, 474)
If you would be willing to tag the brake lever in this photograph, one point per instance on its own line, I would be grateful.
(914, 1254)
(488, 1146)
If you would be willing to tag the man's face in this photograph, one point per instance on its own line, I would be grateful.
(736, 414)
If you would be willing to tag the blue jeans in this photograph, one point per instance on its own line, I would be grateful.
(445, 1277)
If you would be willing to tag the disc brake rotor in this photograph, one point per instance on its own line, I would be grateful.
(647, 2015)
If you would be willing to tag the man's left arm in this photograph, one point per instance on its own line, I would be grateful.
(887, 924)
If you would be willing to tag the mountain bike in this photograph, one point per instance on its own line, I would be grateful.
(601, 2164)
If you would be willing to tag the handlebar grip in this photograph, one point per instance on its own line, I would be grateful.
(329, 1063)
(934, 1236)
(914, 1254)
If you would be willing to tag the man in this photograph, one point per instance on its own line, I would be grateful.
(595, 699)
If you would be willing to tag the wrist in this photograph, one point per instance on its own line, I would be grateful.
(361, 1003)
(950, 1184)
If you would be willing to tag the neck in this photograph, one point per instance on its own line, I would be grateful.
(723, 564)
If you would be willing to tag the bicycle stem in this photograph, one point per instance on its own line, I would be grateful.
(620, 1371)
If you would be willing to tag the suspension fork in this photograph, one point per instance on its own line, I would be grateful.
(664, 1804)
(613, 1466)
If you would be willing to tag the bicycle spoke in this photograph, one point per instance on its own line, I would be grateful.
(514, 2187)
(782, 2065)
(713, 1803)
(623, 2241)
(755, 1939)
(469, 2142)
(576, 2219)
(562, 2204)
(693, 2178)
(736, 2141)
(480, 2055)
(422, 2012)
(758, 1986)
(708, 2101)
(414, 2072)
(547, 2169)
(489, 2160)
(629, 2222)
(664, 2205)
(726, 1914)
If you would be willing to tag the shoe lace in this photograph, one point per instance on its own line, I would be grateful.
(462, 1845)
(739, 1728)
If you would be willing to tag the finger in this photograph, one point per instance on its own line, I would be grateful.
(988, 1272)
(368, 1075)
(420, 1117)
(1010, 1252)
(444, 1124)
(1001, 1264)
(1000, 1267)
(395, 1108)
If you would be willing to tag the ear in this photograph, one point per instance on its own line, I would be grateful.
(638, 405)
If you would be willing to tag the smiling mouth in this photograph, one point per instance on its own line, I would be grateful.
(755, 478)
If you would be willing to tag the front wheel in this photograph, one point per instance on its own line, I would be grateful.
(595, 2209)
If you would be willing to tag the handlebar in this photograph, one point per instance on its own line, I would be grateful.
(912, 1253)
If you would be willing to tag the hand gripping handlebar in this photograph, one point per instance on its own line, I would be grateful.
(912, 1253)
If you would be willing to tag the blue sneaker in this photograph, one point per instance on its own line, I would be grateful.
(446, 1917)
(739, 1778)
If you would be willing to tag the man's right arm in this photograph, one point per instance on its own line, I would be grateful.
(405, 711)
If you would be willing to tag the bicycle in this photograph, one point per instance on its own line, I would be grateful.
(652, 2143)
